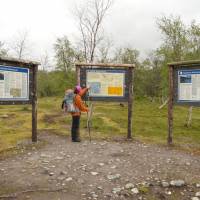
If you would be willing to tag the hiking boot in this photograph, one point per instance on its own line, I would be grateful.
(77, 136)
(76, 140)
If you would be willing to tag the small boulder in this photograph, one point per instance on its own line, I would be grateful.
(177, 183)
(129, 186)
(135, 191)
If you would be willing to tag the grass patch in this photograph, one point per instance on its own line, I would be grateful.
(108, 120)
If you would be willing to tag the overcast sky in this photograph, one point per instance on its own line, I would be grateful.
(129, 22)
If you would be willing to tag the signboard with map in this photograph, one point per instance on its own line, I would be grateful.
(108, 82)
(105, 83)
(189, 85)
(18, 85)
(14, 83)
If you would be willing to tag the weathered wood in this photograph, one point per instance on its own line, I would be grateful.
(181, 63)
(165, 103)
(170, 107)
(19, 61)
(130, 104)
(78, 74)
(34, 106)
(105, 65)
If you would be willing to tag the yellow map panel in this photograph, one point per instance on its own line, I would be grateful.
(118, 91)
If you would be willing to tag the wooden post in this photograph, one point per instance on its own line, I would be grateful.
(34, 105)
(170, 106)
(130, 103)
(78, 75)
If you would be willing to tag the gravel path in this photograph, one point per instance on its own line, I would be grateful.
(99, 170)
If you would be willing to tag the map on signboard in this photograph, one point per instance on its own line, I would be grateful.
(14, 83)
(105, 83)
(189, 85)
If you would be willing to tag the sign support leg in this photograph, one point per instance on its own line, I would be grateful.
(130, 104)
(34, 106)
(170, 107)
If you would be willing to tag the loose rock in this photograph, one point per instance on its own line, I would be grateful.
(114, 177)
(177, 183)
(135, 191)
(129, 186)
(197, 194)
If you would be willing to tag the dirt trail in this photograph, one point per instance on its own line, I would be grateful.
(97, 170)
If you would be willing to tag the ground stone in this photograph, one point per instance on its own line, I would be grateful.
(165, 184)
(194, 198)
(94, 173)
(114, 177)
(129, 186)
(135, 191)
(116, 190)
(68, 179)
(177, 183)
(197, 194)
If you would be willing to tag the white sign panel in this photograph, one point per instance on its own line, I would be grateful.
(105, 83)
(189, 85)
(14, 83)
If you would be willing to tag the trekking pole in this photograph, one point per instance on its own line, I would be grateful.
(89, 121)
(89, 115)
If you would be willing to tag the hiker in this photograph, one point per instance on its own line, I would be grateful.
(81, 107)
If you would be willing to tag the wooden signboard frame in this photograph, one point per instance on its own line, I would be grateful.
(174, 68)
(127, 69)
(32, 99)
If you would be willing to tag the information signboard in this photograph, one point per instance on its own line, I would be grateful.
(184, 88)
(108, 82)
(105, 83)
(18, 85)
(189, 85)
(14, 83)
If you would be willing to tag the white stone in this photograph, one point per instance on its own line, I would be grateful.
(168, 192)
(129, 186)
(94, 173)
(194, 198)
(68, 179)
(99, 188)
(59, 158)
(116, 190)
(113, 177)
(177, 183)
(197, 194)
(51, 173)
(135, 191)
(198, 185)
(165, 184)
(101, 164)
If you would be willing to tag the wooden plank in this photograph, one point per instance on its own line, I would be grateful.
(130, 103)
(19, 61)
(34, 106)
(105, 65)
(170, 106)
(181, 63)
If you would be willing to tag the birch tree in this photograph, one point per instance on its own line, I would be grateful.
(90, 20)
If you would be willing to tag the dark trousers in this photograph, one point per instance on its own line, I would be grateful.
(75, 127)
